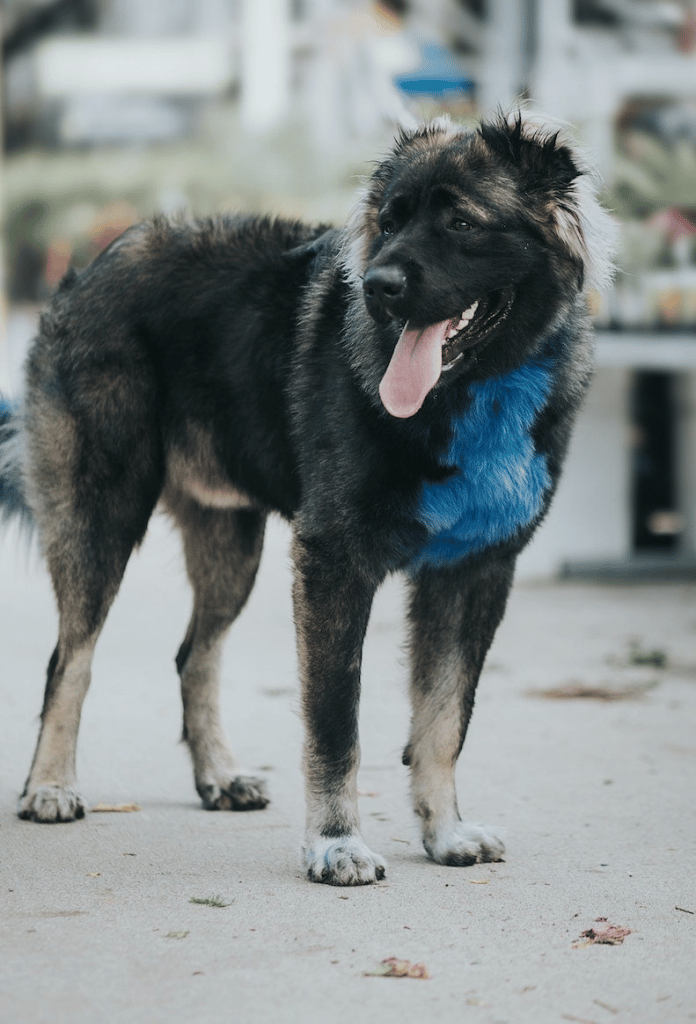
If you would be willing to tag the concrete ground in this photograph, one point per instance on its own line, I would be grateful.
(595, 796)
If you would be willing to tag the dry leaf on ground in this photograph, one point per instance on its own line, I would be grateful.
(602, 933)
(392, 967)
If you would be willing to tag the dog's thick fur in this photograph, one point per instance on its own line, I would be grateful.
(240, 366)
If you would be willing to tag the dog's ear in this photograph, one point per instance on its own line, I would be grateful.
(557, 186)
(543, 162)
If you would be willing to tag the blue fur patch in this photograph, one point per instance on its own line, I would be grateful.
(12, 501)
(500, 481)
(6, 410)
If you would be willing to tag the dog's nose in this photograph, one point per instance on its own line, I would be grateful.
(384, 288)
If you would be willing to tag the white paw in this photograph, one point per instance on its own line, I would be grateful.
(462, 844)
(51, 804)
(343, 861)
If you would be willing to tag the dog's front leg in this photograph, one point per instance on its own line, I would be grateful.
(332, 605)
(454, 614)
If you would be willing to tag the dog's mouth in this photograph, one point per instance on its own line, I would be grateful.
(471, 332)
(422, 355)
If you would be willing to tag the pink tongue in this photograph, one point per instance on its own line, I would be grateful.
(414, 370)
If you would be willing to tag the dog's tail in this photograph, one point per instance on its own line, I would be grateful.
(13, 503)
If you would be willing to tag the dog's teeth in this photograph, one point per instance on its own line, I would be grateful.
(466, 317)
(464, 321)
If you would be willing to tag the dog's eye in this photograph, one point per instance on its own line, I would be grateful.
(388, 227)
(460, 225)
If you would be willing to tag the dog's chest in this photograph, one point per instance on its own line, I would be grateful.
(500, 481)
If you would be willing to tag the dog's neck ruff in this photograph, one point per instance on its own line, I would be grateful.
(500, 482)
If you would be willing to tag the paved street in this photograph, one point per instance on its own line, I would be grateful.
(595, 796)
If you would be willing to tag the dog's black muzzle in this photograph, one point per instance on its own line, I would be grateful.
(385, 289)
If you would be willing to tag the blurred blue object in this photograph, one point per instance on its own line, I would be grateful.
(437, 74)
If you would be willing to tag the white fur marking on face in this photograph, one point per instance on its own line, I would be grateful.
(355, 247)
(589, 231)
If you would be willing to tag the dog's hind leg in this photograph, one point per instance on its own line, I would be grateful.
(454, 614)
(332, 606)
(86, 562)
(223, 550)
(94, 473)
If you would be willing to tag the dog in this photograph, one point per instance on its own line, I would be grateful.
(402, 390)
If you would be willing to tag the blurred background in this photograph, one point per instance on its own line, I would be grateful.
(116, 109)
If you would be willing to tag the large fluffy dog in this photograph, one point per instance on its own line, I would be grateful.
(402, 390)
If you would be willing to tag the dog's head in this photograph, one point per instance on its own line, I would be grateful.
(472, 242)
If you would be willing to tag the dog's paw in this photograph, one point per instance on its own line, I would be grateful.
(343, 861)
(240, 793)
(465, 844)
(50, 804)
